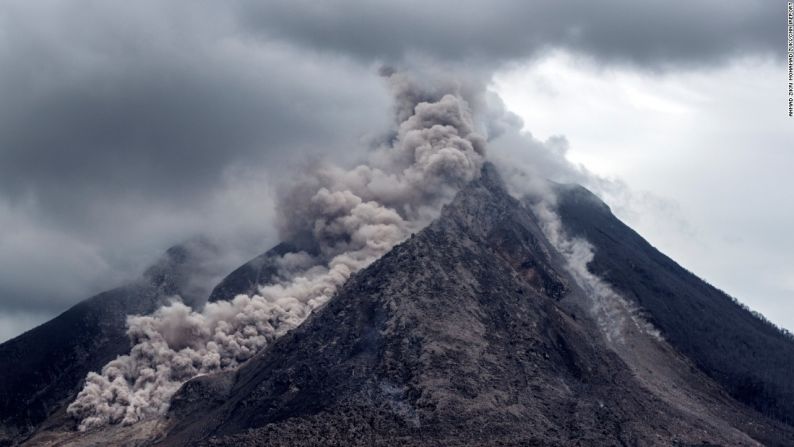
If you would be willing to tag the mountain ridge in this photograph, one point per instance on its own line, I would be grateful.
(473, 331)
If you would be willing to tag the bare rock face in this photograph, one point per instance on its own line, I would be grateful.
(469, 333)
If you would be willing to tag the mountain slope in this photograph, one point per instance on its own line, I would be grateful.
(748, 356)
(42, 370)
(469, 333)
(475, 331)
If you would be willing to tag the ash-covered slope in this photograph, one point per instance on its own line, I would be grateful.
(42, 370)
(469, 333)
(751, 358)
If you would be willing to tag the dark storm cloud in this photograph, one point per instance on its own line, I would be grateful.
(650, 33)
(126, 127)
(163, 110)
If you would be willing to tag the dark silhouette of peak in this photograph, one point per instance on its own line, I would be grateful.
(246, 278)
(42, 370)
(260, 270)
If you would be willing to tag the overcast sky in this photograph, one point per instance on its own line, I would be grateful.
(127, 127)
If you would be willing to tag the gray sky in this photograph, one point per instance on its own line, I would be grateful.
(126, 127)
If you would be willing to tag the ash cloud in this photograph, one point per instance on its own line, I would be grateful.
(136, 118)
(353, 216)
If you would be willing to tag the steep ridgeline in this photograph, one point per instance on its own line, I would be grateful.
(42, 370)
(247, 278)
(472, 332)
(751, 358)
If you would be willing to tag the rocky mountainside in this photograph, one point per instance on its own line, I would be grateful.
(470, 333)
(42, 370)
(746, 354)
(476, 331)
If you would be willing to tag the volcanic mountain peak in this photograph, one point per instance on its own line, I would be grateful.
(478, 330)
(457, 336)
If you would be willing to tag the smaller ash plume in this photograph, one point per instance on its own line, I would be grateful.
(614, 314)
(352, 217)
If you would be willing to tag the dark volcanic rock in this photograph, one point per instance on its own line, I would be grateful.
(456, 337)
(748, 356)
(42, 370)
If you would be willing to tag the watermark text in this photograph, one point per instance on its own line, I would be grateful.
(790, 57)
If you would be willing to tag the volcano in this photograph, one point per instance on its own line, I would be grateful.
(476, 331)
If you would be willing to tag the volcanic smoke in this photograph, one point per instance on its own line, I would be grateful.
(352, 216)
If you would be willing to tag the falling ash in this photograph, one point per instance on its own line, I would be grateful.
(615, 316)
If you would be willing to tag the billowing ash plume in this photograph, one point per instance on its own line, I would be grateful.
(351, 216)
